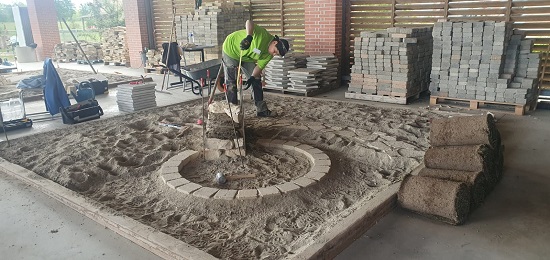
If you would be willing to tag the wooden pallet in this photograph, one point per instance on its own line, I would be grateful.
(519, 109)
(304, 92)
(403, 100)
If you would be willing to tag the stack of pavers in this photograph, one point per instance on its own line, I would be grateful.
(133, 97)
(328, 64)
(395, 62)
(68, 51)
(304, 79)
(276, 72)
(114, 46)
(486, 61)
(463, 164)
(209, 25)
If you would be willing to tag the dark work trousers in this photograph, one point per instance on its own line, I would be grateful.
(230, 67)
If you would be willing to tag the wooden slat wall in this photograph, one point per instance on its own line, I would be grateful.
(532, 16)
(284, 18)
(281, 17)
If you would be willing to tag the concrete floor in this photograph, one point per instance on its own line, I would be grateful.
(512, 224)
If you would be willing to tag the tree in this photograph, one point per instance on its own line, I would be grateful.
(65, 9)
(103, 13)
(6, 12)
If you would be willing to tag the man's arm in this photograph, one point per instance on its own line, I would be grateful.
(249, 27)
(257, 72)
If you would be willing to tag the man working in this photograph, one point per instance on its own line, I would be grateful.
(258, 47)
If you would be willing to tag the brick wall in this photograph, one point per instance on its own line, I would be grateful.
(136, 29)
(323, 28)
(45, 30)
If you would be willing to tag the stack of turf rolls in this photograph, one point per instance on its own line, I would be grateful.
(463, 164)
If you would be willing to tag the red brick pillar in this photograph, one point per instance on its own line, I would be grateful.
(45, 30)
(323, 26)
(137, 37)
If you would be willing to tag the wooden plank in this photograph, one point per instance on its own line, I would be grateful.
(478, 11)
(533, 10)
(477, 19)
(419, 13)
(529, 18)
(419, 6)
(543, 25)
(477, 4)
(530, 3)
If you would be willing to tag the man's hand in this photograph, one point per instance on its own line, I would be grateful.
(245, 43)
(252, 81)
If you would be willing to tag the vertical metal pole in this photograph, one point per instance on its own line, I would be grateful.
(80, 47)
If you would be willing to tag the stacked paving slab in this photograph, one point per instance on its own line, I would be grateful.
(304, 78)
(486, 61)
(395, 62)
(209, 25)
(276, 72)
(133, 97)
(328, 64)
(69, 51)
(114, 46)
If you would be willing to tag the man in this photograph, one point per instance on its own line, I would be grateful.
(258, 47)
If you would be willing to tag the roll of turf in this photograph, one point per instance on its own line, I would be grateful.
(444, 200)
(471, 158)
(464, 130)
(475, 180)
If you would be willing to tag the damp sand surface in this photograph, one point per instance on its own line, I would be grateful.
(115, 162)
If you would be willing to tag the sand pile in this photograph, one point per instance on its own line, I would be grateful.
(465, 151)
(115, 161)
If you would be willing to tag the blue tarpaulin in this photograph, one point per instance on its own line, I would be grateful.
(55, 95)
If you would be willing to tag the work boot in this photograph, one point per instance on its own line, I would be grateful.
(267, 113)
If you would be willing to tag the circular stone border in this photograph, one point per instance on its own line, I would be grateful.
(170, 174)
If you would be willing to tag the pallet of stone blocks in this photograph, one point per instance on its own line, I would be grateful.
(311, 75)
(209, 25)
(485, 62)
(133, 97)
(391, 66)
(462, 166)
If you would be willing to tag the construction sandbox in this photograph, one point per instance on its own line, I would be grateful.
(116, 163)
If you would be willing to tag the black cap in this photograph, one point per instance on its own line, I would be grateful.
(282, 45)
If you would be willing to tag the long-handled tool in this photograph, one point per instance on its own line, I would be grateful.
(203, 119)
(233, 120)
(167, 72)
(239, 78)
(216, 84)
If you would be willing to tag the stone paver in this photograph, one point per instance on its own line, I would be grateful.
(268, 191)
(177, 182)
(164, 170)
(323, 163)
(304, 182)
(319, 157)
(247, 194)
(315, 175)
(188, 155)
(189, 188)
(215, 143)
(291, 145)
(169, 177)
(287, 187)
(205, 192)
(225, 194)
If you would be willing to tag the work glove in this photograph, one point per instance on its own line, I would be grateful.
(254, 82)
(245, 43)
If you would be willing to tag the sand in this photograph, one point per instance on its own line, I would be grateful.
(114, 162)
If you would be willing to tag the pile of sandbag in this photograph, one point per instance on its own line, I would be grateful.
(463, 164)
